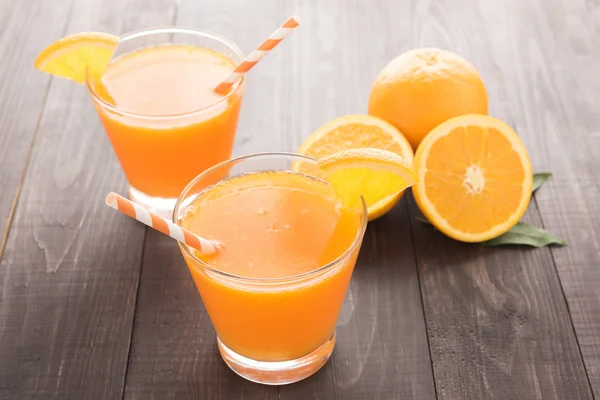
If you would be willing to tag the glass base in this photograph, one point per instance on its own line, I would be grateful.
(278, 372)
(162, 206)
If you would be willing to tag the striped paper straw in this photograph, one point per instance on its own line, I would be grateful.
(141, 214)
(254, 57)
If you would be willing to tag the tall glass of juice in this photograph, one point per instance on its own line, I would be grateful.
(286, 252)
(157, 104)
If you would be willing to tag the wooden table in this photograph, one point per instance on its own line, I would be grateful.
(95, 306)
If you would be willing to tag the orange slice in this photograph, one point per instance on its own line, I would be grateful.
(373, 174)
(474, 178)
(354, 132)
(71, 56)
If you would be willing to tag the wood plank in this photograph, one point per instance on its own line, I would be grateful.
(23, 92)
(554, 82)
(70, 270)
(381, 336)
(382, 349)
(382, 346)
(497, 320)
(174, 353)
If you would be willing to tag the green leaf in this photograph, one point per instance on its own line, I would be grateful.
(539, 178)
(423, 220)
(526, 235)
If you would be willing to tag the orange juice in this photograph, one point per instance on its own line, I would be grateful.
(267, 290)
(164, 120)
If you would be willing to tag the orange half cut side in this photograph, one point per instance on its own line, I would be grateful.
(475, 177)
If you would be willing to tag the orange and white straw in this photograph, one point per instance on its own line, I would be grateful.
(167, 227)
(254, 57)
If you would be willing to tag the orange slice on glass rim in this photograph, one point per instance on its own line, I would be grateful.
(74, 56)
(354, 132)
(372, 174)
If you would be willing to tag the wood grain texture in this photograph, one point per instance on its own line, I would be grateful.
(502, 323)
(23, 90)
(382, 346)
(382, 350)
(553, 78)
(70, 271)
(381, 336)
(497, 320)
(174, 351)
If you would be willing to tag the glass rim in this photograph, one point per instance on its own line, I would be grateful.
(286, 279)
(171, 29)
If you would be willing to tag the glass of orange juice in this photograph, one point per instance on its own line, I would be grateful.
(157, 104)
(287, 249)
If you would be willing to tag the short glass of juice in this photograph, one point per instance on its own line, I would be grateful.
(286, 251)
(157, 104)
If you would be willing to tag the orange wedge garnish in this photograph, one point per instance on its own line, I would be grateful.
(73, 56)
(372, 174)
(354, 132)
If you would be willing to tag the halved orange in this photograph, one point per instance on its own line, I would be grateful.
(372, 174)
(354, 132)
(475, 177)
(71, 56)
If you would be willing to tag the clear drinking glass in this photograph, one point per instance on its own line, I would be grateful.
(161, 153)
(271, 330)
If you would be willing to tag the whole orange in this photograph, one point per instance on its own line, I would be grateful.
(422, 88)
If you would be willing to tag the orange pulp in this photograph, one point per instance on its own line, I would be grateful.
(273, 227)
(166, 123)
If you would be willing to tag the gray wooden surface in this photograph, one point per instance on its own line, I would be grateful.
(93, 306)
